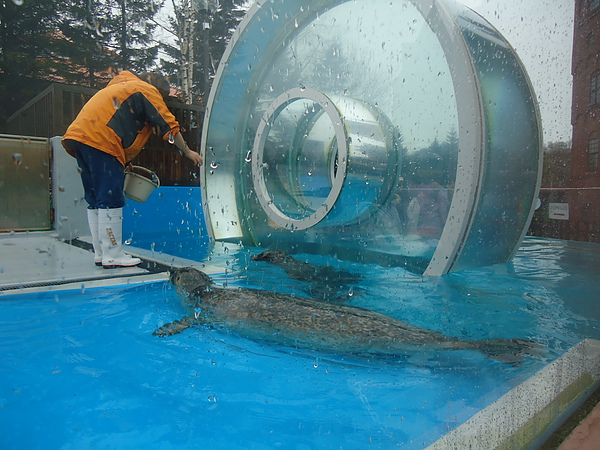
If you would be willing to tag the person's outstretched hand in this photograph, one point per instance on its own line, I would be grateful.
(194, 156)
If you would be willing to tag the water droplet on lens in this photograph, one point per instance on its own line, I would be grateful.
(17, 158)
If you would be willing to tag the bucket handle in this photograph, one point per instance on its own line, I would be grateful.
(153, 176)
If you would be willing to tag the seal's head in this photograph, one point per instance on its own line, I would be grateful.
(188, 279)
(272, 256)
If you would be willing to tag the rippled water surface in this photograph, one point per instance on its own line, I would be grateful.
(81, 369)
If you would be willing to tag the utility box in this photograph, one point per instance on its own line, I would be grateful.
(24, 183)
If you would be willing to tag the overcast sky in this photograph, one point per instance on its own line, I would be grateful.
(541, 32)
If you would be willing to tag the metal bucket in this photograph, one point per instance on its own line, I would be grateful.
(138, 187)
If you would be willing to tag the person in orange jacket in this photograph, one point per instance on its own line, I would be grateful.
(109, 131)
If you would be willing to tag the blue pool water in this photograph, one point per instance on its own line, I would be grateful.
(81, 369)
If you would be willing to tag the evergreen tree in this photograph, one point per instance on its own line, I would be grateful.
(83, 51)
(131, 26)
(26, 36)
(557, 164)
(73, 41)
(192, 61)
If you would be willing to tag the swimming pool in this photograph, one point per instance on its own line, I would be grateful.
(80, 368)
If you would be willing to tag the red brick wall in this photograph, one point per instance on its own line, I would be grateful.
(585, 118)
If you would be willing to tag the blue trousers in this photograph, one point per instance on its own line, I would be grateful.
(103, 176)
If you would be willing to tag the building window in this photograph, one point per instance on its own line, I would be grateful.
(595, 88)
(593, 155)
(594, 5)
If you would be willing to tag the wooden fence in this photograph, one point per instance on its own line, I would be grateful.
(52, 110)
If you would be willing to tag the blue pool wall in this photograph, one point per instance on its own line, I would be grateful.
(171, 220)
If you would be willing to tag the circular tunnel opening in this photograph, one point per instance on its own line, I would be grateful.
(299, 165)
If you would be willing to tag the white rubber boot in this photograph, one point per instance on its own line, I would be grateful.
(110, 231)
(92, 216)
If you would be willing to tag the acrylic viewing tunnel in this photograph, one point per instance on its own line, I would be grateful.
(397, 132)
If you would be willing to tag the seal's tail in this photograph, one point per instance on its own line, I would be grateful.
(510, 351)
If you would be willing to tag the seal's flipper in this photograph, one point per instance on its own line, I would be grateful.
(169, 329)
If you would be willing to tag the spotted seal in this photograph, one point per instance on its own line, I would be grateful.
(326, 283)
(307, 323)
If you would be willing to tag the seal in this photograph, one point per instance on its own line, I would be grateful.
(307, 323)
(326, 283)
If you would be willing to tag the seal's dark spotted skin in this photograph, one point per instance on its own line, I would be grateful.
(307, 323)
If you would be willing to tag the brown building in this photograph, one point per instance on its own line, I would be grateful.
(584, 195)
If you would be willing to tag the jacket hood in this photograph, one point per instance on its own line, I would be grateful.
(124, 76)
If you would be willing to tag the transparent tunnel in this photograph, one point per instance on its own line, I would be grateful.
(398, 133)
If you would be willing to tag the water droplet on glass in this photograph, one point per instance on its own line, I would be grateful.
(171, 138)
(215, 164)
(116, 103)
(18, 2)
(248, 157)
(128, 241)
(61, 189)
(17, 158)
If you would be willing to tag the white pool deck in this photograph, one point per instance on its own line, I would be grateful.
(38, 261)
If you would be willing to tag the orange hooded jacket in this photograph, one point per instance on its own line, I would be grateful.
(119, 119)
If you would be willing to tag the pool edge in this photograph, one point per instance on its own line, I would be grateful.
(544, 401)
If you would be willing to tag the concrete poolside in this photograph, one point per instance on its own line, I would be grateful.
(38, 261)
